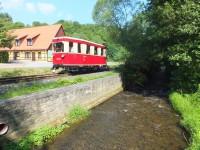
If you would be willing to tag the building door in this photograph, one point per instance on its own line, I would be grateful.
(33, 56)
(15, 55)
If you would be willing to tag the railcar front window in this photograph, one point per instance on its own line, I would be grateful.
(59, 47)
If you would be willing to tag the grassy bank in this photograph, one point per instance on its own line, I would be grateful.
(188, 105)
(23, 90)
(46, 134)
(23, 72)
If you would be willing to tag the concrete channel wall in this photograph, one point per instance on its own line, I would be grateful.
(27, 113)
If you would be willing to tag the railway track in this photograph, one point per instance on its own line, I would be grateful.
(9, 80)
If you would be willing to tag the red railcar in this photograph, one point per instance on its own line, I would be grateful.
(74, 54)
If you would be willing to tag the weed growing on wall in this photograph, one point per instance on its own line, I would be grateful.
(77, 113)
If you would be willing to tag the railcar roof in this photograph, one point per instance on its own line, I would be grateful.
(76, 40)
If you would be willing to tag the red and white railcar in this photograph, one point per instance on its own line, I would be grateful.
(74, 54)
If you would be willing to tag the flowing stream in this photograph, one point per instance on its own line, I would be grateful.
(127, 121)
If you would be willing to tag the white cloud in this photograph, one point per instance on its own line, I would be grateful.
(46, 8)
(31, 7)
(12, 4)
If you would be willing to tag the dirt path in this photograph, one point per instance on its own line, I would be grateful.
(126, 122)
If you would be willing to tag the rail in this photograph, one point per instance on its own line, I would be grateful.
(9, 80)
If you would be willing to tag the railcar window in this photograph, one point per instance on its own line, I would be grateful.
(88, 49)
(79, 48)
(70, 46)
(101, 51)
(95, 51)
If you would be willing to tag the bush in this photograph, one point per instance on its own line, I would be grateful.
(4, 57)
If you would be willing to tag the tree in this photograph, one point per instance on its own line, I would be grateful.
(5, 38)
(37, 23)
(114, 12)
(176, 26)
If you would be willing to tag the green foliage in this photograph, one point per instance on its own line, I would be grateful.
(176, 28)
(188, 105)
(165, 34)
(5, 21)
(4, 57)
(35, 87)
(37, 23)
(77, 113)
(113, 12)
(37, 138)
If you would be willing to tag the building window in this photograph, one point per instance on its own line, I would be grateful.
(29, 42)
(70, 46)
(88, 49)
(17, 42)
(79, 48)
(95, 51)
(39, 55)
(27, 55)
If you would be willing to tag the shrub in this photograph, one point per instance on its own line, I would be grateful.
(4, 57)
(77, 113)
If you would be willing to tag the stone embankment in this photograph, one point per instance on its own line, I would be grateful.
(27, 113)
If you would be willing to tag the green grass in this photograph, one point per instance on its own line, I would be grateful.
(46, 134)
(77, 113)
(36, 87)
(188, 105)
(11, 72)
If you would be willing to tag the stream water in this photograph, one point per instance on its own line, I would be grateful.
(127, 121)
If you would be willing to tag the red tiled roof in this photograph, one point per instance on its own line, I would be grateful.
(42, 37)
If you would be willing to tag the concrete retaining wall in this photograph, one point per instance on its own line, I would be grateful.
(27, 113)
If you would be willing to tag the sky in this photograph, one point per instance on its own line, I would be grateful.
(49, 11)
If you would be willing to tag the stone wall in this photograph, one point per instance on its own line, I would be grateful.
(27, 113)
